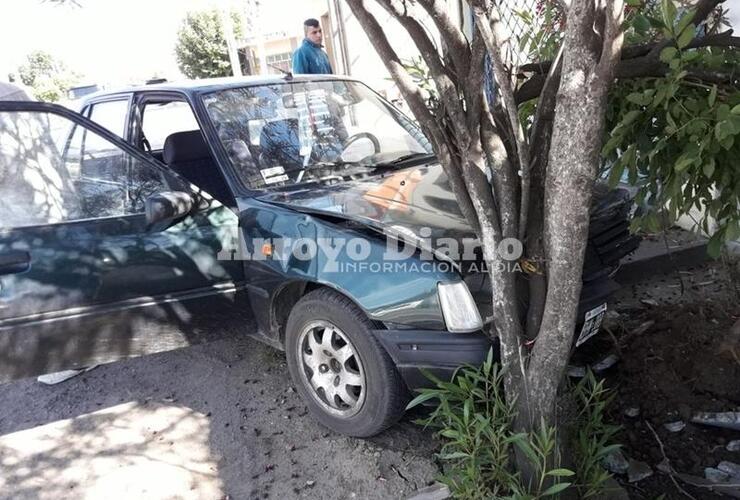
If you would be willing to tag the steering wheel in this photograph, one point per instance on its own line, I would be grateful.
(359, 136)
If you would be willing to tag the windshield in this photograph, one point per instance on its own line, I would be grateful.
(293, 133)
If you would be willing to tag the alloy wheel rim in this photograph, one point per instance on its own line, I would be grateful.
(331, 368)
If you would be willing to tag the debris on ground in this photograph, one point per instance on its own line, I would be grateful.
(436, 491)
(598, 367)
(616, 462)
(672, 367)
(632, 412)
(638, 471)
(731, 490)
(675, 426)
(612, 490)
(730, 468)
(716, 475)
(605, 363)
(725, 420)
(62, 376)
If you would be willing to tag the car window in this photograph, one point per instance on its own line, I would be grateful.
(111, 115)
(159, 120)
(48, 177)
(279, 135)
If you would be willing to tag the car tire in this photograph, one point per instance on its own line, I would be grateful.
(354, 390)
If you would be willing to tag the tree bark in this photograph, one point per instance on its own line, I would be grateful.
(588, 70)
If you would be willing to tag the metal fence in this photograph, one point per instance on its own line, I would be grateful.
(516, 27)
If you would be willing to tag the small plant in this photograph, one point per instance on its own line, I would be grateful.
(594, 436)
(476, 426)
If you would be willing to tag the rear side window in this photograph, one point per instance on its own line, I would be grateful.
(49, 173)
(111, 115)
(159, 120)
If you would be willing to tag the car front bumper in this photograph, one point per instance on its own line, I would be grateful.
(439, 352)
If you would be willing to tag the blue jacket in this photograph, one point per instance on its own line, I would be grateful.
(309, 58)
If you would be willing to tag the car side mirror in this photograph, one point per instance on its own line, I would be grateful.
(168, 206)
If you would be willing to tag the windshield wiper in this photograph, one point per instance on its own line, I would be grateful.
(401, 160)
(409, 157)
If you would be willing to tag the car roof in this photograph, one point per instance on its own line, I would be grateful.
(207, 85)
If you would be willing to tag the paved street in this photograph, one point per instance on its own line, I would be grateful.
(211, 421)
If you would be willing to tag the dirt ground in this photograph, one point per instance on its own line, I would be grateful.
(678, 356)
(222, 421)
(212, 421)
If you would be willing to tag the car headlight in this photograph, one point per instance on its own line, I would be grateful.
(458, 307)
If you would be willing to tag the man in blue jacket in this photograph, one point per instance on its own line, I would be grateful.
(309, 58)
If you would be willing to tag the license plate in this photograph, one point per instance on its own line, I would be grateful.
(592, 324)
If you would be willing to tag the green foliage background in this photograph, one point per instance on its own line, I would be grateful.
(676, 137)
(201, 49)
(49, 79)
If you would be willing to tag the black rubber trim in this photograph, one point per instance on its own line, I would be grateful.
(433, 348)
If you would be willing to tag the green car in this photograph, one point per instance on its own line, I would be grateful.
(309, 209)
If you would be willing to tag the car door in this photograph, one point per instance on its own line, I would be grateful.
(83, 278)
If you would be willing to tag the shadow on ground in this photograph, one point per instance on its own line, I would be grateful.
(210, 421)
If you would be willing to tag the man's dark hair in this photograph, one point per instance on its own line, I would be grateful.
(311, 22)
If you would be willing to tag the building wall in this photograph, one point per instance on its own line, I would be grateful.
(354, 54)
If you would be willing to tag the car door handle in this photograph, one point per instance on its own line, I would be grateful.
(14, 262)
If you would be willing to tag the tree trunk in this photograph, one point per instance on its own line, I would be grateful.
(588, 67)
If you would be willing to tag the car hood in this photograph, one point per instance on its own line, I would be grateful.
(405, 202)
(418, 203)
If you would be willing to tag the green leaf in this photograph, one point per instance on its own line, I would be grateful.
(686, 36)
(668, 53)
(450, 433)
(555, 489)
(712, 95)
(560, 473)
(634, 3)
(708, 168)
(655, 22)
(714, 247)
(733, 231)
(723, 112)
(736, 110)
(683, 163)
(635, 97)
(421, 398)
(629, 117)
(671, 121)
(641, 24)
(723, 130)
(652, 223)
(668, 10)
(684, 21)
(615, 175)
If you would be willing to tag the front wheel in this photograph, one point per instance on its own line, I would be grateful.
(346, 377)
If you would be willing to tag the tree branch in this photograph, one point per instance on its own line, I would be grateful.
(540, 136)
(701, 11)
(451, 34)
(448, 92)
(642, 67)
(473, 88)
(503, 178)
(415, 99)
(724, 39)
(488, 21)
